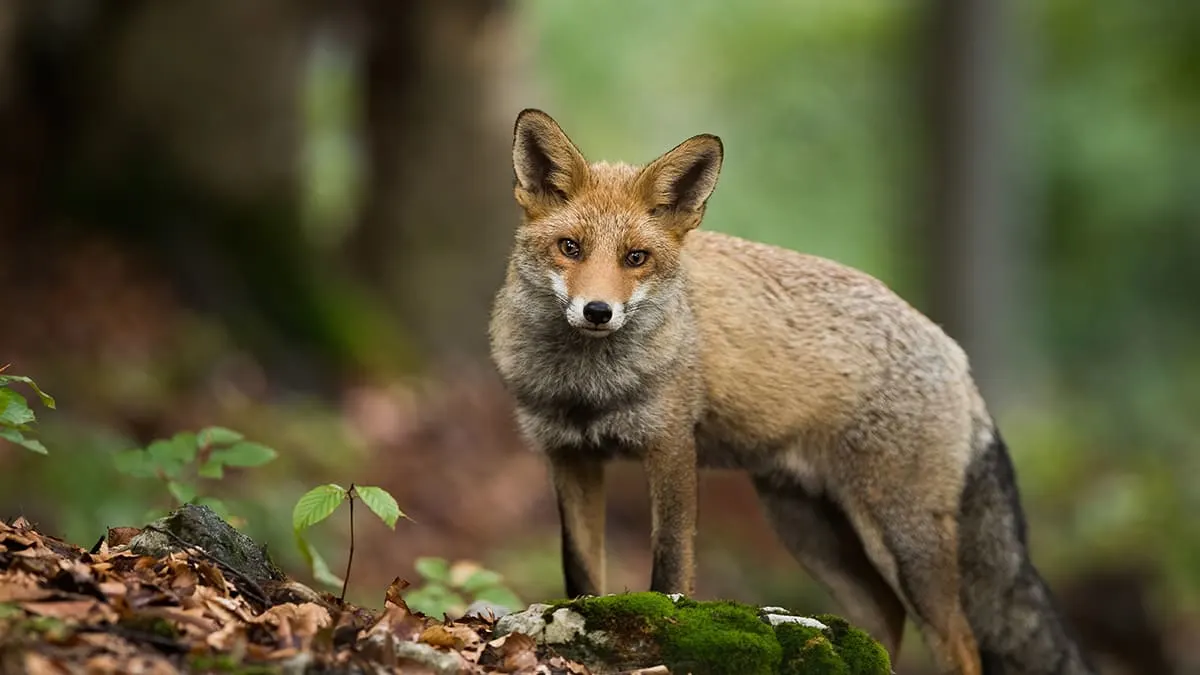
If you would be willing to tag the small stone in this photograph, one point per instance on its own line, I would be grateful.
(529, 622)
(440, 662)
(774, 610)
(776, 619)
(565, 624)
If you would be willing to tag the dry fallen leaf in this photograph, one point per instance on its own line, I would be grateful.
(17, 585)
(398, 621)
(120, 536)
(519, 651)
(393, 595)
(296, 625)
(70, 609)
(36, 664)
(440, 636)
(228, 637)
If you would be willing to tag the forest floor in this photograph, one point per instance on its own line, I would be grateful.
(64, 609)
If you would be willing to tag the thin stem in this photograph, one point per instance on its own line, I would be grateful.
(350, 494)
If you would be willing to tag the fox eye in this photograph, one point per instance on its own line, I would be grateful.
(636, 258)
(569, 247)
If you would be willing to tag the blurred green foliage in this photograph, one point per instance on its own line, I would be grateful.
(448, 589)
(181, 461)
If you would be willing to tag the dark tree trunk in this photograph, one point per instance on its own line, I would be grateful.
(174, 129)
(436, 226)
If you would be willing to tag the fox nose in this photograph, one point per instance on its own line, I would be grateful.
(597, 312)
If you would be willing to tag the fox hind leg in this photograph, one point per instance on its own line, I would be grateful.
(818, 535)
(912, 538)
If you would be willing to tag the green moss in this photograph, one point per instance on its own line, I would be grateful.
(719, 638)
(808, 651)
(608, 608)
(863, 655)
(837, 625)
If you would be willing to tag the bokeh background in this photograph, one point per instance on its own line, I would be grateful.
(288, 217)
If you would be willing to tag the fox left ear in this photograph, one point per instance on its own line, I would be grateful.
(681, 180)
(548, 166)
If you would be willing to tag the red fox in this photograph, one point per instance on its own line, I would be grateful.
(624, 332)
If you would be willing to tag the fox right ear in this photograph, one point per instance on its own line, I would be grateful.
(547, 164)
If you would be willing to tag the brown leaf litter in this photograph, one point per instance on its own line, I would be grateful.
(64, 610)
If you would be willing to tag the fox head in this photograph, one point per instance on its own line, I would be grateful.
(604, 240)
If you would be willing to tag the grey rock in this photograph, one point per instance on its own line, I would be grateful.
(440, 662)
(565, 625)
(201, 526)
(529, 622)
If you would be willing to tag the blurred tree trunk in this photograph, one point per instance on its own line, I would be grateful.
(968, 246)
(176, 128)
(436, 225)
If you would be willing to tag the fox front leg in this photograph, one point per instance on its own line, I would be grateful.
(671, 473)
(579, 487)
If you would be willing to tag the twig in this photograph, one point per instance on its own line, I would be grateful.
(257, 592)
(346, 580)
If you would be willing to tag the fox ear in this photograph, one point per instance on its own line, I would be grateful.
(547, 164)
(680, 181)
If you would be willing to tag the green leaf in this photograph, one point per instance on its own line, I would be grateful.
(381, 503)
(316, 505)
(433, 600)
(183, 446)
(15, 436)
(135, 462)
(500, 596)
(47, 400)
(320, 569)
(182, 492)
(213, 436)
(481, 579)
(169, 456)
(322, 573)
(211, 469)
(244, 454)
(433, 569)
(14, 410)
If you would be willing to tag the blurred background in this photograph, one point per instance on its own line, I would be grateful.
(288, 217)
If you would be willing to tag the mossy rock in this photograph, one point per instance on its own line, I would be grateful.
(631, 630)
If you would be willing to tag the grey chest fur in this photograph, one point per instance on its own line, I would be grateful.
(596, 396)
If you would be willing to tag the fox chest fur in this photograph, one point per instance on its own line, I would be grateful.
(606, 397)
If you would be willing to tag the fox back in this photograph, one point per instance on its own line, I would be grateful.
(622, 331)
